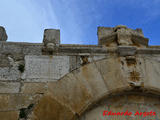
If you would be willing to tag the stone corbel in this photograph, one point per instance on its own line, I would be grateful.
(51, 41)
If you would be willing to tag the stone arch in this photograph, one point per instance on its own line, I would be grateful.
(133, 103)
(79, 90)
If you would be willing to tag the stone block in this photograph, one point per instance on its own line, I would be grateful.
(12, 102)
(18, 101)
(50, 109)
(91, 75)
(33, 88)
(113, 75)
(9, 74)
(4, 102)
(45, 68)
(126, 50)
(9, 87)
(51, 36)
(103, 32)
(148, 51)
(11, 47)
(4, 62)
(34, 49)
(74, 62)
(70, 91)
(9, 115)
(121, 35)
(152, 75)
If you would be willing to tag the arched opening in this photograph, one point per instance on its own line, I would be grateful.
(125, 106)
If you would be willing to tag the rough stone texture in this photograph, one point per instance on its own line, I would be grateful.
(153, 68)
(51, 41)
(34, 88)
(9, 87)
(51, 109)
(9, 74)
(3, 34)
(132, 103)
(12, 102)
(46, 68)
(126, 50)
(51, 36)
(121, 35)
(10, 115)
(52, 81)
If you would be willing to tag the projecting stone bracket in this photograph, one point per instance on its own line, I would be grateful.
(51, 41)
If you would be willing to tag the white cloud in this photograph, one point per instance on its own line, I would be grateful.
(25, 20)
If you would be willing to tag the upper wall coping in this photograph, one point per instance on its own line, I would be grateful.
(116, 39)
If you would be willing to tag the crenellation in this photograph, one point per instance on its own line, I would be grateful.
(121, 36)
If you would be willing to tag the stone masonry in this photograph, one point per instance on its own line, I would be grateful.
(53, 81)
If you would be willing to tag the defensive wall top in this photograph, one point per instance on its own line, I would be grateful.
(120, 37)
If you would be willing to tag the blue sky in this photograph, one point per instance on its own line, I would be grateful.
(25, 20)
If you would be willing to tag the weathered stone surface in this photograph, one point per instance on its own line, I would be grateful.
(50, 109)
(12, 102)
(9, 115)
(102, 32)
(112, 74)
(3, 35)
(95, 114)
(121, 35)
(98, 57)
(46, 68)
(18, 101)
(51, 36)
(71, 94)
(130, 103)
(152, 69)
(4, 102)
(9, 74)
(74, 62)
(93, 78)
(33, 88)
(9, 87)
(4, 62)
(32, 49)
(51, 41)
(11, 47)
(52, 81)
(126, 50)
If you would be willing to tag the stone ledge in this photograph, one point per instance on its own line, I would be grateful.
(126, 50)
(148, 51)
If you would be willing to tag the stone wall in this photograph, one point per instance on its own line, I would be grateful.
(53, 81)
